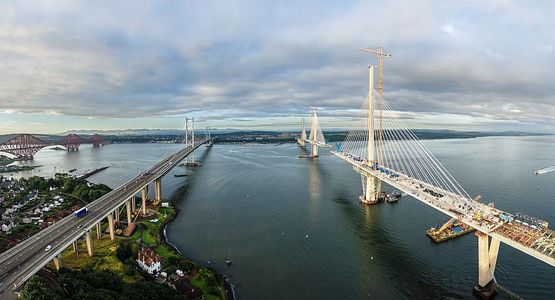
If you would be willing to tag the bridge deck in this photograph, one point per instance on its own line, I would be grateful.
(539, 243)
(25, 259)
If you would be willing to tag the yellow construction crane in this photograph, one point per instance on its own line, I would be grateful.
(379, 52)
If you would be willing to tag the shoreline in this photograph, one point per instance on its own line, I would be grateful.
(228, 286)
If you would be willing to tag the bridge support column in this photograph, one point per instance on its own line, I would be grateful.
(116, 213)
(98, 231)
(487, 259)
(88, 239)
(158, 189)
(144, 196)
(314, 150)
(75, 248)
(58, 262)
(133, 204)
(369, 190)
(128, 209)
(111, 226)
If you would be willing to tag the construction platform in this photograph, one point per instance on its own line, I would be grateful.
(449, 230)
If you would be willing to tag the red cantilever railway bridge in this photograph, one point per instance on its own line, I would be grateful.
(25, 146)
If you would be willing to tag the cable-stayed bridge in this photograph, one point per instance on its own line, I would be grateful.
(25, 259)
(393, 154)
(315, 139)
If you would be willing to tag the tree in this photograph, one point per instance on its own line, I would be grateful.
(124, 250)
(37, 289)
(149, 290)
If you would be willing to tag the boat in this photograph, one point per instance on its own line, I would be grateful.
(179, 175)
(391, 199)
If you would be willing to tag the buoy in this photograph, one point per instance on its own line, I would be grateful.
(306, 236)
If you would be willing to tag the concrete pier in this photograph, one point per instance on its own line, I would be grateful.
(128, 209)
(487, 259)
(58, 262)
(370, 190)
(111, 226)
(144, 196)
(98, 231)
(88, 239)
(116, 213)
(314, 150)
(158, 190)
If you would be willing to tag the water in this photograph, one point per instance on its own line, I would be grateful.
(294, 229)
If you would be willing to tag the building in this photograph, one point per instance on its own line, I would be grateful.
(149, 261)
(7, 226)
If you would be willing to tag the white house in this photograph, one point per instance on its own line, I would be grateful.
(7, 226)
(149, 261)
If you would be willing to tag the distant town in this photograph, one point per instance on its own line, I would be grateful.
(29, 205)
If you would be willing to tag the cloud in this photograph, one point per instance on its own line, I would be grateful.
(239, 60)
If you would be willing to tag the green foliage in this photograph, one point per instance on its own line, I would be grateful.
(87, 279)
(4, 160)
(124, 250)
(129, 268)
(178, 262)
(95, 284)
(149, 290)
(36, 289)
(38, 183)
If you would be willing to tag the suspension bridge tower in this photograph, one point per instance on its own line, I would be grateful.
(190, 141)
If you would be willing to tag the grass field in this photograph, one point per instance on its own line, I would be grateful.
(104, 255)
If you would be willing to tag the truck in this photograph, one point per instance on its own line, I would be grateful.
(81, 213)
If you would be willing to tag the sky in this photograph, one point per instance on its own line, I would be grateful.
(102, 65)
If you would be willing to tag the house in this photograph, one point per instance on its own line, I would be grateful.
(149, 260)
(7, 226)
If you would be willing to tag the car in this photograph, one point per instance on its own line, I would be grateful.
(79, 226)
(48, 248)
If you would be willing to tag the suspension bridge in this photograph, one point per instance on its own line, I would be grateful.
(28, 257)
(389, 152)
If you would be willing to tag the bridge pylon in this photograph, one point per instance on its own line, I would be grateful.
(190, 138)
(487, 259)
(207, 136)
(302, 139)
(370, 184)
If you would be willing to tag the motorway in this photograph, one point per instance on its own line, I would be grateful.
(25, 259)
